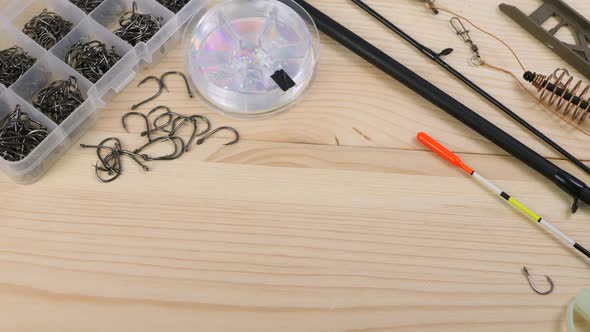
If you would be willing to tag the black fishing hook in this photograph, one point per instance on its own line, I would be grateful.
(206, 121)
(143, 116)
(236, 139)
(193, 135)
(97, 174)
(19, 135)
(176, 128)
(188, 89)
(161, 87)
(59, 99)
(105, 160)
(192, 120)
(155, 122)
(135, 156)
(532, 283)
(174, 155)
(182, 149)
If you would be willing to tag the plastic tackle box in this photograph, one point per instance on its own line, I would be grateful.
(96, 25)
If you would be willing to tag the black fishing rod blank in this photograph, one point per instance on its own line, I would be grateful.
(567, 182)
(437, 57)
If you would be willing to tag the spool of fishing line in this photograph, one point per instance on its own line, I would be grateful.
(250, 58)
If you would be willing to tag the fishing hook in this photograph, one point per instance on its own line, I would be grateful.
(188, 89)
(105, 160)
(135, 158)
(161, 87)
(532, 283)
(193, 120)
(193, 135)
(182, 149)
(196, 134)
(195, 117)
(174, 155)
(177, 128)
(147, 122)
(97, 174)
(155, 123)
(236, 139)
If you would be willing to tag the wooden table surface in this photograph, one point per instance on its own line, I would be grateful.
(330, 217)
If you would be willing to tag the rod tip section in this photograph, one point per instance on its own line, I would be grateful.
(436, 147)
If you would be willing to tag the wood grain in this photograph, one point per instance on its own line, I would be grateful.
(329, 217)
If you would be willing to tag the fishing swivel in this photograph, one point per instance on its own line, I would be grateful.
(532, 283)
(462, 32)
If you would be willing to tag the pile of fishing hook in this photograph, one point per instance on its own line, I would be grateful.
(59, 99)
(19, 135)
(14, 62)
(136, 28)
(86, 5)
(47, 28)
(173, 5)
(91, 59)
(163, 129)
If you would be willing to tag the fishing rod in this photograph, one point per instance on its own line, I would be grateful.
(567, 182)
(436, 147)
(437, 57)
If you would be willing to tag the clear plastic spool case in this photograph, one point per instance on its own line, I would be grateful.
(96, 25)
(236, 49)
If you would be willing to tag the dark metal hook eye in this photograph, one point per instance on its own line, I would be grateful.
(236, 139)
(188, 89)
(160, 88)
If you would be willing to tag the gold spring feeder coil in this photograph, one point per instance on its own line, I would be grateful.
(555, 90)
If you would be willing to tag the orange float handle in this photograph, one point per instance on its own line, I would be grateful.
(436, 147)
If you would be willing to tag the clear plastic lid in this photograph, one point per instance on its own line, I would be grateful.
(252, 57)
